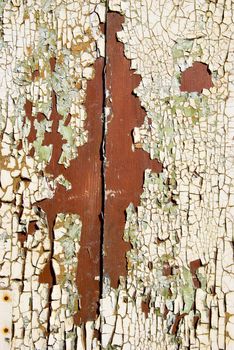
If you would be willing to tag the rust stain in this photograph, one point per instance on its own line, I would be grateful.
(82, 46)
(125, 168)
(196, 78)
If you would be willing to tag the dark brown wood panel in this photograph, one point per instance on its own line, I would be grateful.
(125, 167)
(85, 197)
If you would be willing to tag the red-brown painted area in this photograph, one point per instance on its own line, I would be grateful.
(175, 326)
(85, 197)
(125, 168)
(194, 265)
(28, 112)
(167, 270)
(196, 78)
(145, 306)
(47, 275)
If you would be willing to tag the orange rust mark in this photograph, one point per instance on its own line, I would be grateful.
(29, 50)
(196, 78)
(125, 168)
(60, 58)
(5, 330)
(78, 85)
(42, 73)
(82, 46)
(6, 297)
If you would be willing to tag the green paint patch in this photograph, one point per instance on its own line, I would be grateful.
(187, 290)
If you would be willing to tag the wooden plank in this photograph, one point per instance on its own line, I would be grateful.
(124, 166)
(85, 198)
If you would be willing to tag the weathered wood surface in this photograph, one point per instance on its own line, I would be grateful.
(125, 164)
(117, 190)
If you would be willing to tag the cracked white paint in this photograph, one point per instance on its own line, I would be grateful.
(181, 261)
(186, 213)
(32, 33)
(64, 304)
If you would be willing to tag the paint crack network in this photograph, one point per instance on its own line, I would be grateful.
(179, 288)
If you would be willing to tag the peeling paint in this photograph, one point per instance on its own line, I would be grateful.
(48, 50)
(178, 289)
(185, 213)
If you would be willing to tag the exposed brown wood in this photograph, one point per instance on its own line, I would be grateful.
(125, 168)
(84, 198)
(196, 78)
(145, 306)
(167, 270)
(176, 323)
(194, 265)
(46, 276)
